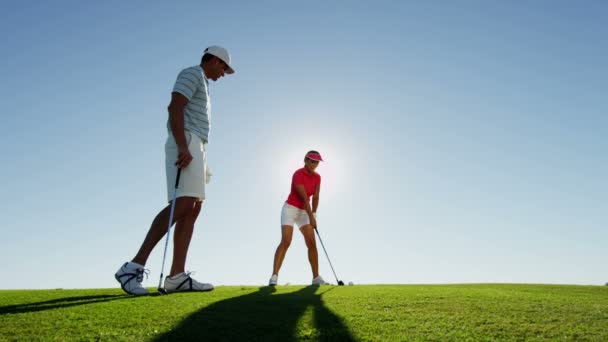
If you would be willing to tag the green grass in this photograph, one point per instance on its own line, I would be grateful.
(477, 312)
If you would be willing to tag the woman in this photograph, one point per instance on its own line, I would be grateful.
(297, 210)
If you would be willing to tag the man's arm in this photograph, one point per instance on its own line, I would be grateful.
(176, 121)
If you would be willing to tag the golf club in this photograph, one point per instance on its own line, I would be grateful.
(340, 283)
(161, 290)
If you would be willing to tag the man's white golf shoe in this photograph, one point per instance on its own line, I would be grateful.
(183, 283)
(130, 275)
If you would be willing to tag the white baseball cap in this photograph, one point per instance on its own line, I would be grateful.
(222, 54)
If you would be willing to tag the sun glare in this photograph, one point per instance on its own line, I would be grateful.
(332, 169)
(302, 132)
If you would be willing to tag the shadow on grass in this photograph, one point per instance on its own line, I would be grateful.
(263, 316)
(59, 303)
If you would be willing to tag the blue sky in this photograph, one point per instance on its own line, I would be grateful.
(464, 141)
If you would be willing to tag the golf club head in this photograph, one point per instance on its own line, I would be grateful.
(162, 291)
(340, 283)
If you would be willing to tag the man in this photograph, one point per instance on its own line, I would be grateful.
(188, 130)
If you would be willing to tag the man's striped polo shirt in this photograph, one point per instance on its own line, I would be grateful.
(192, 83)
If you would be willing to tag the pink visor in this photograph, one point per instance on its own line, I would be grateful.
(314, 156)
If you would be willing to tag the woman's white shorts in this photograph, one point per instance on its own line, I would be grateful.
(192, 178)
(291, 215)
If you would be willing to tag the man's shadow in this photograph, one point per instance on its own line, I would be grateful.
(59, 303)
(262, 316)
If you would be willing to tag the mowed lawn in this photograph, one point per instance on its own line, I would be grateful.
(472, 312)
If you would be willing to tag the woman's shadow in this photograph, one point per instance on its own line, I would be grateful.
(262, 316)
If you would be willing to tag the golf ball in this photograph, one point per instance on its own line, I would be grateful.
(350, 283)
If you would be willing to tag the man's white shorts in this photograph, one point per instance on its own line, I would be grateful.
(192, 178)
(291, 215)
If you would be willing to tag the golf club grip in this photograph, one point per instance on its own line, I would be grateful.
(179, 173)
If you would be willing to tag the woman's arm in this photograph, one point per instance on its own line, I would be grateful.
(302, 194)
(315, 199)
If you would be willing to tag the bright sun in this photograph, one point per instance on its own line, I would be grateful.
(332, 169)
(293, 136)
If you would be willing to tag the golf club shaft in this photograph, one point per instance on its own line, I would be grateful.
(162, 268)
(324, 250)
